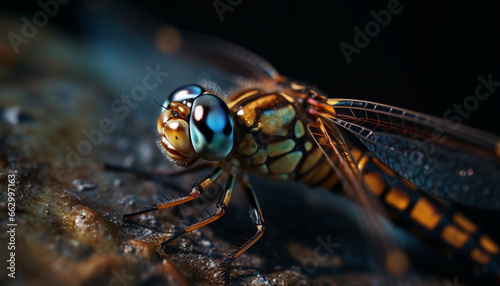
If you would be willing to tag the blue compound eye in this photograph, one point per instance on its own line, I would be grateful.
(211, 127)
(184, 93)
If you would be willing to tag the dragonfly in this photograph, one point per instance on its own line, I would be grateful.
(389, 160)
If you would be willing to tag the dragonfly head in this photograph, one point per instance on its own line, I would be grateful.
(195, 123)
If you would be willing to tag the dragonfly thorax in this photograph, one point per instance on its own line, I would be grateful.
(272, 137)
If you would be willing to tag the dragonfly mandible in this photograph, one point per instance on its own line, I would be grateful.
(257, 121)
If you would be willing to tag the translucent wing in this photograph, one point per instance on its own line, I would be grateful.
(120, 32)
(451, 161)
(385, 250)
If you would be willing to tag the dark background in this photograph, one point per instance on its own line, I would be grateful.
(427, 58)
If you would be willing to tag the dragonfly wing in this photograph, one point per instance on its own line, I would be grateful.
(453, 162)
(385, 249)
(119, 32)
(233, 58)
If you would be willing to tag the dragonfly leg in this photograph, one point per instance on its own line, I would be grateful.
(257, 219)
(222, 205)
(198, 189)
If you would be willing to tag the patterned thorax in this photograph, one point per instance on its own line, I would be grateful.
(273, 139)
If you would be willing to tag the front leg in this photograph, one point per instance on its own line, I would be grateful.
(198, 189)
(220, 211)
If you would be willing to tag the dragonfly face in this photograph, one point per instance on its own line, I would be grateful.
(195, 124)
